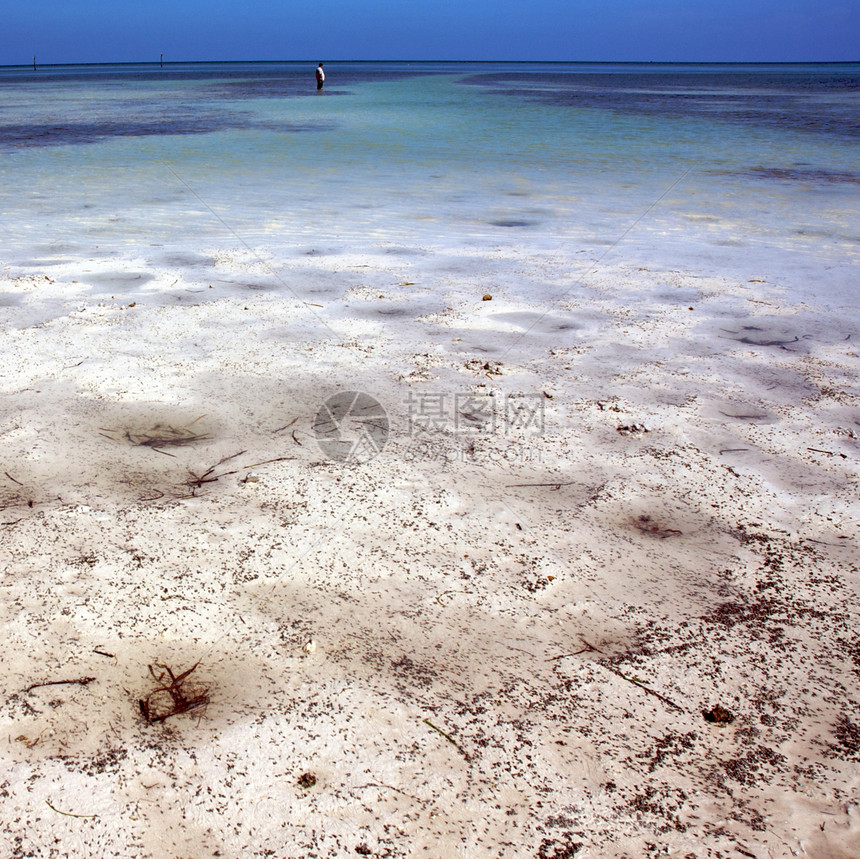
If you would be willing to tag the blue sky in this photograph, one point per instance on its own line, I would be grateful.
(58, 31)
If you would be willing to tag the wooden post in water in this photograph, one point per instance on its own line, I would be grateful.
(162, 61)
(34, 64)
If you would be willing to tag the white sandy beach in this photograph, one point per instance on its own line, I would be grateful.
(492, 639)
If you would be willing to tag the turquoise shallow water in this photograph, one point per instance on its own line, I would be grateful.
(725, 169)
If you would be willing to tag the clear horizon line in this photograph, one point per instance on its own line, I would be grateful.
(160, 63)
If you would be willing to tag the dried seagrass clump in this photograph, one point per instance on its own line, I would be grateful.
(173, 695)
(162, 435)
(718, 716)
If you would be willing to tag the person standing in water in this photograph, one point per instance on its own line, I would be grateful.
(320, 76)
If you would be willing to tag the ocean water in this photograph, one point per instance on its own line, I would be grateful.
(743, 171)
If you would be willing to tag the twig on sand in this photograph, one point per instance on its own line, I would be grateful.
(811, 540)
(589, 648)
(445, 593)
(81, 681)
(222, 461)
(553, 485)
(267, 461)
(449, 738)
(295, 439)
(12, 478)
(744, 417)
(285, 426)
(197, 481)
(643, 687)
(67, 813)
(816, 450)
